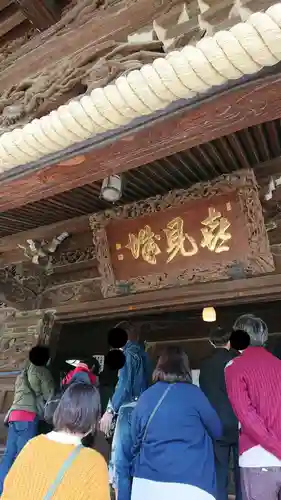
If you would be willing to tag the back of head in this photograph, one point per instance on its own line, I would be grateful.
(172, 366)
(92, 364)
(255, 327)
(96, 368)
(78, 410)
(39, 355)
(131, 330)
(220, 337)
(123, 331)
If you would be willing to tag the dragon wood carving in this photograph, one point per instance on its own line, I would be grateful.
(100, 63)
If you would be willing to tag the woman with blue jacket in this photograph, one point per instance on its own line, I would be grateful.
(172, 431)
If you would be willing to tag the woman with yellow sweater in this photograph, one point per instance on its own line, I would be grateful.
(56, 466)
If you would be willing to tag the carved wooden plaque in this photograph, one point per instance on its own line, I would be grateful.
(210, 232)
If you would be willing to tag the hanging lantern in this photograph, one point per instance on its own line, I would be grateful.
(111, 189)
(209, 314)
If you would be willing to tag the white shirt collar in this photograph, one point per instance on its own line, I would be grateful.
(64, 438)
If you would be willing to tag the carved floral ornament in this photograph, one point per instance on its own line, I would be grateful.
(244, 49)
(183, 249)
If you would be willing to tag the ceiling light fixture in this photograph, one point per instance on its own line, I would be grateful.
(111, 189)
(209, 314)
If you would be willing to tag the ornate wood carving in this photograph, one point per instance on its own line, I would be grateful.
(81, 29)
(45, 327)
(75, 256)
(75, 75)
(250, 104)
(41, 253)
(78, 227)
(256, 258)
(21, 285)
(91, 21)
(77, 292)
(14, 349)
(25, 285)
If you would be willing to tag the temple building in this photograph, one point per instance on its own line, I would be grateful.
(140, 173)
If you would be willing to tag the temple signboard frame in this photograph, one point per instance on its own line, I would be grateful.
(209, 232)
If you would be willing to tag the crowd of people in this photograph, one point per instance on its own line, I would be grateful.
(169, 438)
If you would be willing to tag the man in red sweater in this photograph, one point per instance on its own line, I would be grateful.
(253, 382)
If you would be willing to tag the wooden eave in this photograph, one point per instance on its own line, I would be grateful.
(176, 129)
(229, 129)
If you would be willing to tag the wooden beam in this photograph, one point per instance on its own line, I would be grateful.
(4, 4)
(40, 13)
(267, 169)
(243, 106)
(77, 225)
(80, 237)
(250, 290)
(11, 22)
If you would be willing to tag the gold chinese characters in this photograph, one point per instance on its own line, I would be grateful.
(214, 233)
(176, 240)
(145, 244)
(215, 238)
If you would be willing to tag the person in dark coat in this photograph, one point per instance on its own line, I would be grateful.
(212, 383)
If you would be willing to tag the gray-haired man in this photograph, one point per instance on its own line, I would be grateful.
(253, 382)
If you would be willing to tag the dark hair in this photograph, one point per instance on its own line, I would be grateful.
(220, 337)
(78, 409)
(117, 337)
(172, 366)
(239, 340)
(95, 367)
(115, 359)
(93, 364)
(39, 355)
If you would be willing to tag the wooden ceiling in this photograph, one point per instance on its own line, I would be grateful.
(244, 149)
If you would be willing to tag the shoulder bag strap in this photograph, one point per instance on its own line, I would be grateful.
(25, 374)
(38, 400)
(155, 410)
(64, 468)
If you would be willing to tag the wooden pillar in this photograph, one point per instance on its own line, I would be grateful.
(48, 331)
(41, 13)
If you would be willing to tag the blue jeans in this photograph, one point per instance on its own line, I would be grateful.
(120, 464)
(19, 434)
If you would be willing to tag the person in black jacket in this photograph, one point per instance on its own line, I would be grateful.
(212, 383)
